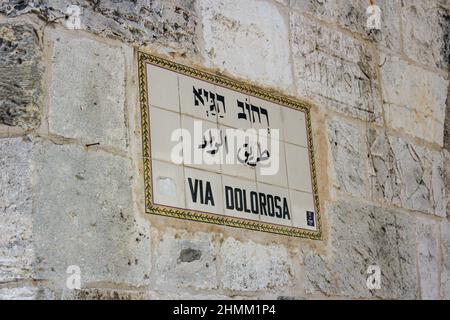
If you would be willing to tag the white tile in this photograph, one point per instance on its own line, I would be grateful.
(240, 198)
(235, 106)
(198, 106)
(168, 184)
(294, 125)
(298, 168)
(266, 116)
(230, 165)
(162, 124)
(203, 191)
(276, 163)
(162, 88)
(277, 205)
(301, 203)
(205, 134)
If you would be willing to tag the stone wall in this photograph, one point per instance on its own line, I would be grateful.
(71, 182)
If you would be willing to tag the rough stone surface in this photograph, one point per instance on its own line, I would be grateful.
(445, 249)
(405, 174)
(105, 294)
(447, 123)
(346, 144)
(248, 39)
(26, 293)
(364, 235)
(21, 72)
(83, 216)
(250, 267)
(171, 23)
(414, 99)
(16, 248)
(185, 260)
(335, 70)
(88, 92)
(351, 14)
(428, 248)
(447, 181)
(425, 32)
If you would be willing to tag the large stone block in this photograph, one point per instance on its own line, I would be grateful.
(163, 22)
(334, 69)
(414, 99)
(83, 216)
(352, 15)
(248, 39)
(405, 174)
(16, 248)
(348, 157)
(87, 96)
(21, 73)
(361, 236)
(428, 258)
(183, 259)
(247, 266)
(425, 32)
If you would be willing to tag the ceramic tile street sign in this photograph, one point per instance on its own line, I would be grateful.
(220, 151)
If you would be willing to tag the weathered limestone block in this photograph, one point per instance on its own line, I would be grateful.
(87, 95)
(414, 99)
(26, 293)
(428, 248)
(185, 260)
(16, 249)
(248, 39)
(166, 22)
(445, 247)
(351, 14)
(425, 32)
(405, 174)
(251, 267)
(20, 75)
(335, 70)
(348, 157)
(83, 216)
(361, 236)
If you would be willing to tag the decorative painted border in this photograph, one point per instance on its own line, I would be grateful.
(145, 58)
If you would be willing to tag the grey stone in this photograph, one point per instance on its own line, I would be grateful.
(447, 181)
(167, 22)
(248, 39)
(445, 247)
(335, 70)
(425, 32)
(185, 260)
(88, 92)
(83, 216)
(405, 174)
(248, 266)
(361, 236)
(447, 122)
(21, 73)
(105, 294)
(16, 248)
(414, 99)
(351, 14)
(26, 293)
(428, 248)
(346, 144)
